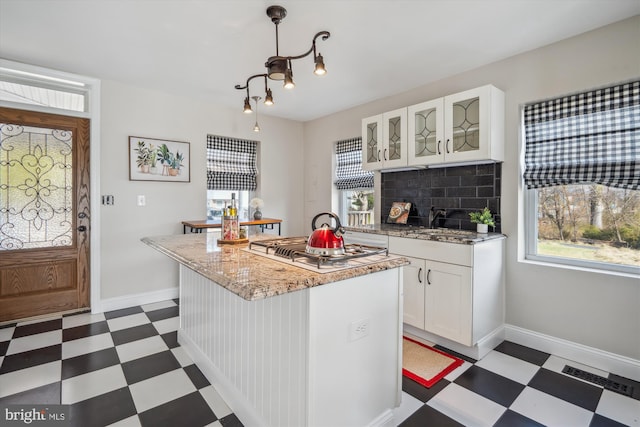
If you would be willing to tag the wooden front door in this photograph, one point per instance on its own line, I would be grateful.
(44, 213)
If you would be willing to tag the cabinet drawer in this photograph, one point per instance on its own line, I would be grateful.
(451, 253)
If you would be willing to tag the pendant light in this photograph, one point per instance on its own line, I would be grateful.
(279, 67)
(256, 127)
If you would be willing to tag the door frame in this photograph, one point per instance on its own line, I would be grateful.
(92, 87)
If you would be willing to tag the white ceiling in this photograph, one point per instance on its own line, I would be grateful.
(204, 48)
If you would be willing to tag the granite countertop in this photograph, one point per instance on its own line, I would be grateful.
(448, 235)
(248, 275)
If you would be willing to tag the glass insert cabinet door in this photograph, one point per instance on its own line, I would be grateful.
(426, 132)
(472, 125)
(394, 138)
(372, 142)
(465, 125)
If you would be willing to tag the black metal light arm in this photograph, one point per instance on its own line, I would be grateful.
(325, 35)
(246, 86)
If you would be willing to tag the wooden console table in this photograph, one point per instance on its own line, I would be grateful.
(198, 225)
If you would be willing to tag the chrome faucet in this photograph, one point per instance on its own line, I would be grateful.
(435, 215)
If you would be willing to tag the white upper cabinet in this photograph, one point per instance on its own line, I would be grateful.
(385, 140)
(372, 142)
(426, 130)
(474, 125)
(394, 138)
(467, 127)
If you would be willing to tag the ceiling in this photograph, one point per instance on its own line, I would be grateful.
(204, 48)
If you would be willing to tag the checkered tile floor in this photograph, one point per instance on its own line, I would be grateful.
(516, 386)
(126, 368)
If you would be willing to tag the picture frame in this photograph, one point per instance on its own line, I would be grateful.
(399, 213)
(152, 159)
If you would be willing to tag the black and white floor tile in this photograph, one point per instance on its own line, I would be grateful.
(122, 368)
(515, 386)
(126, 368)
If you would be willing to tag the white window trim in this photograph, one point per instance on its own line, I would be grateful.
(61, 80)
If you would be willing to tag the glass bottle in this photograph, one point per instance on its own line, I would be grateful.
(233, 211)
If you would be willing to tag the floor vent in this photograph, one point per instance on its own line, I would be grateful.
(608, 384)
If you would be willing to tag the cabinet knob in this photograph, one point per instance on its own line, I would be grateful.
(379, 155)
(428, 275)
(82, 228)
(439, 144)
(447, 146)
(385, 154)
(419, 274)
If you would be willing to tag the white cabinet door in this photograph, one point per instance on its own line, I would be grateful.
(372, 143)
(394, 138)
(425, 130)
(414, 282)
(448, 301)
(474, 125)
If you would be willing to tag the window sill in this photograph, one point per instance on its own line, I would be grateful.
(577, 265)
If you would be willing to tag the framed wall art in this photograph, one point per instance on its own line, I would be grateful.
(399, 213)
(159, 160)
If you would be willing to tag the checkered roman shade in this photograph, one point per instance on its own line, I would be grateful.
(349, 172)
(590, 137)
(231, 163)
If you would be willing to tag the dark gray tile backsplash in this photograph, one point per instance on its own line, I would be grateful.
(458, 190)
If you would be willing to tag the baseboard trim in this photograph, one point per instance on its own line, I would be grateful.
(606, 361)
(127, 301)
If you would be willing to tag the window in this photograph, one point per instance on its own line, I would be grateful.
(231, 168)
(582, 178)
(354, 183)
(22, 87)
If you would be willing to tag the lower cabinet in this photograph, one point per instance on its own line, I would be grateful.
(452, 290)
(447, 306)
(413, 281)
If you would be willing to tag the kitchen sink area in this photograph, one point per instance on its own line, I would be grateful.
(451, 235)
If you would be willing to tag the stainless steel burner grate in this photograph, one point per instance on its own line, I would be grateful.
(293, 248)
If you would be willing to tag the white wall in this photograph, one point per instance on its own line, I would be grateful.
(128, 266)
(596, 310)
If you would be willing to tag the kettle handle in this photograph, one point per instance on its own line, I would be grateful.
(338, 230)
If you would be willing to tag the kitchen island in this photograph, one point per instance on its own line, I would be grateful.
(287, 346)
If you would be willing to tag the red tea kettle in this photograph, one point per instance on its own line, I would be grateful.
(326, 240)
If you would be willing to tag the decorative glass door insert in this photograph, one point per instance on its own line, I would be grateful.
(372, 142)
(466, 125)
(395, 138)
(425, 140)
(36, 187)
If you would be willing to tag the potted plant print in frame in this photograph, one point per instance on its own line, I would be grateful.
(158, 160)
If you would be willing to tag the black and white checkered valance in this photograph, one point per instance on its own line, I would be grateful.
(590, 137)
(349, 172)
(231, 163)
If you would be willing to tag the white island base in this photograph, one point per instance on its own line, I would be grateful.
(328, 355)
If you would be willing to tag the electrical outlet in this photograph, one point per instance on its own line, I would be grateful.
(358, 329)
(142, 201)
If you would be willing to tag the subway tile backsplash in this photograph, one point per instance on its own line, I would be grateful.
(457, 190)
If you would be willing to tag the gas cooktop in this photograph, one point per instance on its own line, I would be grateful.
(294, 249)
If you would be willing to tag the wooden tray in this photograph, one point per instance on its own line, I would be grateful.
(232, 242)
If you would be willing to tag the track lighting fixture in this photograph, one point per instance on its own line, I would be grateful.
(279, 67)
